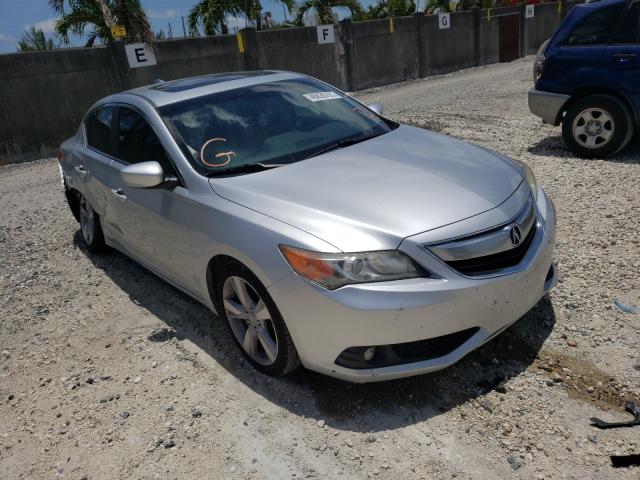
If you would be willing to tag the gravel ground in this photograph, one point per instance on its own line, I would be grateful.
(108, 372)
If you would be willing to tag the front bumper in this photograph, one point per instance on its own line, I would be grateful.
(547, 105)
(324, 323)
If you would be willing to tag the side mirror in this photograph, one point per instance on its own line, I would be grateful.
(376, 107)
(142, 175)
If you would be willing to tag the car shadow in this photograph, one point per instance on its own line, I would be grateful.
(554, 146)
(372, 407)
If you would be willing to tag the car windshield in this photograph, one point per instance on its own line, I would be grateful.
(268, 125)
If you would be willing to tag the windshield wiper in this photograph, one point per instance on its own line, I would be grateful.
(347, 142)
(247, 168)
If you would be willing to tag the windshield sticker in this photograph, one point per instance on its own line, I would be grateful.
(320, 96)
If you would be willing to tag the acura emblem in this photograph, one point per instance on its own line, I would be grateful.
(516, 235)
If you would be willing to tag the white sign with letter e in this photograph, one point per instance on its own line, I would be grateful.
(530, 12)
(140, 55)
(326, 34)
(444, 20)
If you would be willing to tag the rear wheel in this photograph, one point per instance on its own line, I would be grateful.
(597, 126)
(255, 322)
(90, 227)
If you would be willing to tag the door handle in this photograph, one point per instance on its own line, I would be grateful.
(623, 57)
(81, 170)
(119, 194)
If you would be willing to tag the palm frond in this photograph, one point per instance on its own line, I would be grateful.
(81, 14)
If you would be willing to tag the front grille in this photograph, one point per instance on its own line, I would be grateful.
(401, 353)
(489, 252)
(498, 261)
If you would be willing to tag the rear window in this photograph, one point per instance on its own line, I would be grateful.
(628, 31)
(597, 27)
(98, 128)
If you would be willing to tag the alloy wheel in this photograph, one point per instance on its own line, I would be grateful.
(87, 221)
(593, 128)
(250, 320)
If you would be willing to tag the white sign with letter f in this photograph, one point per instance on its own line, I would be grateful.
(326, 34)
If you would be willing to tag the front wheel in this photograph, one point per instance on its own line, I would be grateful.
(597, 126)
(255, 322)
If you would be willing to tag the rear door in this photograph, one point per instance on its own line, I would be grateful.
(94, 157)
(579, 59)
(623, 54)
(152, 223)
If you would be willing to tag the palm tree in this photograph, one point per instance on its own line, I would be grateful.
(211, 14)
(253, 10)
(35, 40)
(390, 8)
(323, 9)
(437, 6)
(100, 15)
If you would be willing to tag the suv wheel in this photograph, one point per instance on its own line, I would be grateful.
(255, 322)
(597, 126)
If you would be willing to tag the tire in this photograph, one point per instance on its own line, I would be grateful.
(90, 228)
(73, 201)
(250, 328)
(597, 126)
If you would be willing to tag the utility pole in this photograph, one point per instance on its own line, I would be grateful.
(284, 10)
(184, 31)
(170, 33)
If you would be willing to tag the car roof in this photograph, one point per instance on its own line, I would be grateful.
(164, 93)
(595, 4)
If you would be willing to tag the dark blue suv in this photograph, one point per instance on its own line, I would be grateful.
(587, 77)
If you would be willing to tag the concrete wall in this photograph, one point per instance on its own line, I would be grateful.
(189, 57)
(381, 57)
(490, 40)
(446, 50)
(297, 50)
(43, 95)
(541, 26)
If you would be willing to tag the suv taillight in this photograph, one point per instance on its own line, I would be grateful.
(59, 155)
(538, 65)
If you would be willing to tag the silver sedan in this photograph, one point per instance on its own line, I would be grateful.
(321, 232)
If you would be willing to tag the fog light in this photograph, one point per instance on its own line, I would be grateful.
(369, 353)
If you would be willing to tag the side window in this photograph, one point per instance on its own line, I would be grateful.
(597, 27)
(137, 142)
(629, 29)
(98, 128)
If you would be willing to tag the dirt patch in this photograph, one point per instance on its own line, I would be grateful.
(584, 381)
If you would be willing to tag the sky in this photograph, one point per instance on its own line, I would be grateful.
(16, 16)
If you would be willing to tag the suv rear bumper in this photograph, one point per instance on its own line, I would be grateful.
(547, 105)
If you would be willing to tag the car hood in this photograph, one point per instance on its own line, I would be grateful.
(371, 195)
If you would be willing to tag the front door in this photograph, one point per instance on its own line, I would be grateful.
(152, 222)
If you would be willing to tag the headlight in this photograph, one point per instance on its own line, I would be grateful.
(531, 180)
(334, 270)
